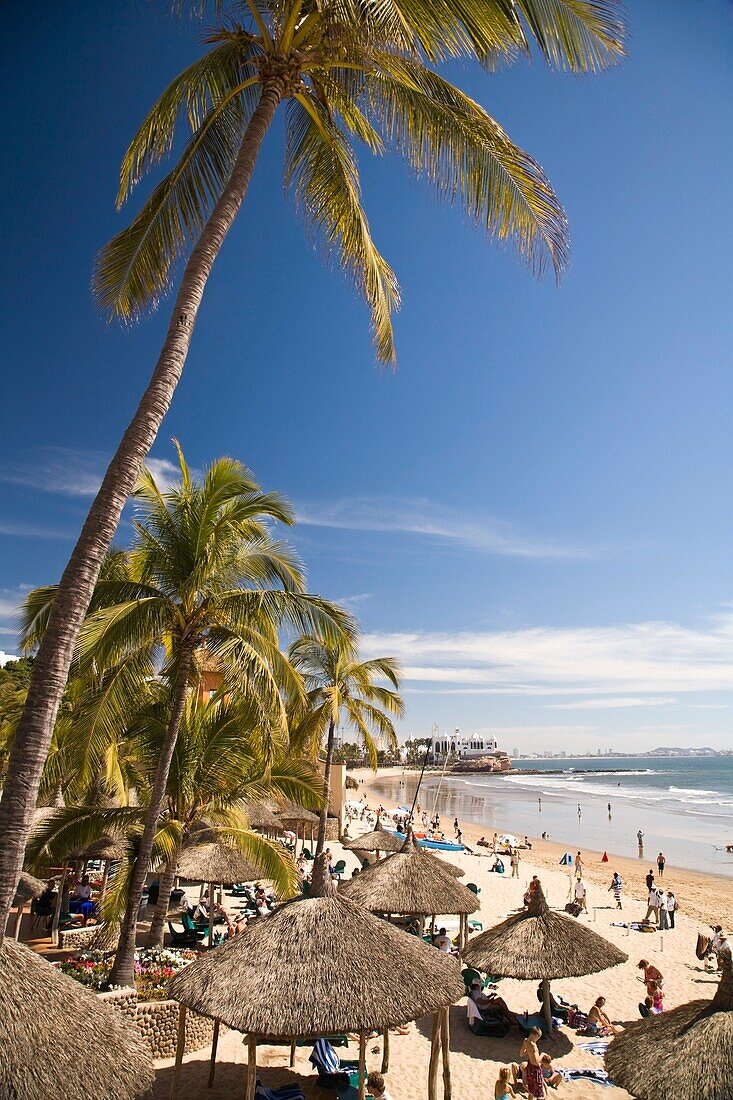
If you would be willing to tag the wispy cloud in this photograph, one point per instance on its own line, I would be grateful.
(629, 661)
(425, 518)
(614, 702)
(29, 531)
(76, 473)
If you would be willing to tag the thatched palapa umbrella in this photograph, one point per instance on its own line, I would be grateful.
(262, 818)
(692, 1045)
(541, 945)
(28, 887)
(319, 965)
(215, 864)
(412, 883)
(297, 818)
(51, 1026)
(378, 840)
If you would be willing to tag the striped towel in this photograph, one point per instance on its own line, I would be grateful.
(598, 1075)
(324, 1057)
(597, 1046)
(285, 1092)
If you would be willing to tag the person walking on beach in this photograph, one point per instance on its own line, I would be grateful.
(578, 866)
(539, 803)
(455, 826)
(672, 907)
(616, 886)
(580, 812)
(650, 879)
(581, 894)
(515, 863)
(660, 864)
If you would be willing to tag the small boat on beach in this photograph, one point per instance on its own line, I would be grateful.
(426, 842)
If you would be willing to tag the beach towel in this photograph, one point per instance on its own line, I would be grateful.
(324, 1058)
(285, 1092)
(596, 1046)
(598, 1075)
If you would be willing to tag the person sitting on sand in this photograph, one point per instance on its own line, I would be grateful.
(646, 1007)
(376, 1086)
(655, 991)
(598, 1019)
(527, 843)
(503, 1089)
(530, 1067)
(552, 1077)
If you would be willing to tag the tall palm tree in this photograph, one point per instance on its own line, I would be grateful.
(341, 691)
(203, 578)
(218, 767)
(346, 70)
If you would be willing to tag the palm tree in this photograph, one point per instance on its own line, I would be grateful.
(204, 580)
(346, 71)
(218, 767)
(341, 691)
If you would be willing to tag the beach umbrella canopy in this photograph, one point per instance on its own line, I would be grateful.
(260, 817)
(445, 864)
(216, 862)
(692, 1044)
(508, 840)
(318, 965)
(539, 943)
(59, 1039)
(379, 840)
(28, 887)
(107, 847)
(410, 882)
(292, 813)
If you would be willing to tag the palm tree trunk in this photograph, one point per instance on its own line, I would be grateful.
(123, 968)
(51, 666)
(157, 925)
(323, 819)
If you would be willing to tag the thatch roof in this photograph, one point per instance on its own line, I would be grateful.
(539, 943)
(51, 1026)
(291, 812)
(445, 864)
(107, 847)
(350, 783)
(378, 840)
(410, 882)
(28, 887)
(260, 817)
(318, 965)
(216, 863)
(691, 1047)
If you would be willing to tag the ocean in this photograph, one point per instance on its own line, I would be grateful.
(684, 806)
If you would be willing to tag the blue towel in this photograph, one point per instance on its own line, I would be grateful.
(285, 1092)
(596, 1046)
(324, 1057)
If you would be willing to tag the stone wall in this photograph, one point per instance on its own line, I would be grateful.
(158, 1023)
(78, 939)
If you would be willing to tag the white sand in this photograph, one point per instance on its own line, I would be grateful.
(475, 1061)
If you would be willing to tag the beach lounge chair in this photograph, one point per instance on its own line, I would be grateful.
(307, 854)
(469, 976)
(41, 912)
(495, 1028)
(332, 1072)
(339, 869)
(285, 1092)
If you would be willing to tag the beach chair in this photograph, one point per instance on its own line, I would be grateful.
(473, 888)
(339, 869)
(479, 1025)
(285, 1092)
(307, 854)
(332, 1072)
(475, 926)
(469, 975)
(41, 912)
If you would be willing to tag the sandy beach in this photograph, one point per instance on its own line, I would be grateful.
(475, 1061)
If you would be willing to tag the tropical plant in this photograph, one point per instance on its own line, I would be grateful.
(204, 581)
(347, 71)
(218, 766)
(341, 692)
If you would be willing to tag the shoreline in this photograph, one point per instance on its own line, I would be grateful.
(702, 895)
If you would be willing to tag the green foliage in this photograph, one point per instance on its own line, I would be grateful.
(353, 72)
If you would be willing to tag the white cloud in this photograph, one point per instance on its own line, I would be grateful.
(628, 660)
(29, 531)
(5, 657)
(615, 701)
(430, 520)
(77, 473)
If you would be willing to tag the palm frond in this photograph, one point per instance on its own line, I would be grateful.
(583, 36)
(321, 169)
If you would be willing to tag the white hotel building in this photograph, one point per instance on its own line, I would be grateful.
(471, 747)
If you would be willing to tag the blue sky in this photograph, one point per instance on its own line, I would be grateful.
(534, 511)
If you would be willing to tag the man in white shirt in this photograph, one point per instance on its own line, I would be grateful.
(580, 894)
(443, 942)
(663, 921)
(653, 905)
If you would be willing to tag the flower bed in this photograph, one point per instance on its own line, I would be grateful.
(153, 967)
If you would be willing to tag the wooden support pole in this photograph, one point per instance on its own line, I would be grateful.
(445, 1034)
(103, 887)
(251, 1066)
(180, 1047)
(292, 1052)
(212, 1060)
(434, 1052)
(211, 915)
(362, 1064)
(385, 1050)
(546, 1002)
(57, 908)
(18, 920)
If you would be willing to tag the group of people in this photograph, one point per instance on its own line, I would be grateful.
(661, 903)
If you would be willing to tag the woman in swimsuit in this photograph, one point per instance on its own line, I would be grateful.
(503, 1089)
